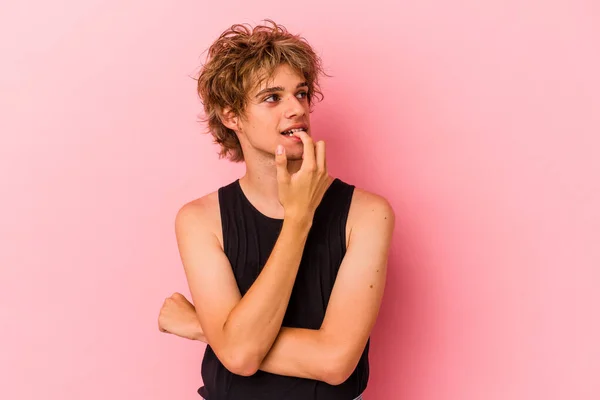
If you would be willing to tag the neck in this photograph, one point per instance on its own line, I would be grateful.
(260, 186)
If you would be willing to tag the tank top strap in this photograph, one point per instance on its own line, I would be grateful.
(337, 199)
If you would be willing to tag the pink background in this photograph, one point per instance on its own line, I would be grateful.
(479, 121)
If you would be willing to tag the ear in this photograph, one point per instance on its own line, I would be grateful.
(229, 119)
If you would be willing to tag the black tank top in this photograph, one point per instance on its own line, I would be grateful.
(248, 238)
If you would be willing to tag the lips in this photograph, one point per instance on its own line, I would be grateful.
(294, 128)
(291, 131)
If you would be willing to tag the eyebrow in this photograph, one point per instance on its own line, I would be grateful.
(278, 89)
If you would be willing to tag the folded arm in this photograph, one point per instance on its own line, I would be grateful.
(331, 353)
(241, 330)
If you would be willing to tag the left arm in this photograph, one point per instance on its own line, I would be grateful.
(331, 353)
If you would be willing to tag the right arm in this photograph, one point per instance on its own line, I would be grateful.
(241, 330)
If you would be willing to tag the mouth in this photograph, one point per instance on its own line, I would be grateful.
(290, 132)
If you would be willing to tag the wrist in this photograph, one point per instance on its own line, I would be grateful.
(197, 333)
(300, 222)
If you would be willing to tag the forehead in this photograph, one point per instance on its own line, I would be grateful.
(283, 75)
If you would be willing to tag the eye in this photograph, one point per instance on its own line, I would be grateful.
(273, 97)
(302, 95)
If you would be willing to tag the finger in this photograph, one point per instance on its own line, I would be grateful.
(281, 163)
(321, 159)
(308, 155)
(177, 296)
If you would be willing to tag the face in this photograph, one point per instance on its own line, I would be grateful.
(273, 109)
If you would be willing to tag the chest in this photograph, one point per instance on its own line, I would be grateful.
(248, 244)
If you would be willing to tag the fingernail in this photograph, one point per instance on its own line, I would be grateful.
(279, 150)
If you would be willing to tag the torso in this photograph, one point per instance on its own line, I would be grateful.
(246, 236)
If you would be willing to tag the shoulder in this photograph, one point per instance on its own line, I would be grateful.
(365, 202)
(370, 210)
(199, 215)
(202, 208)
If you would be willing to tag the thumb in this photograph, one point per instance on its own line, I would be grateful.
(281, 163)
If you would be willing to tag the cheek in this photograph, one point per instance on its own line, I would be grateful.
(267, 122)
(261, 123)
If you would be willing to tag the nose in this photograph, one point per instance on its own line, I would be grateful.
(293, 107)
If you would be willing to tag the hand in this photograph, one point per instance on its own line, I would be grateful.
(178, 316)
(301, 193)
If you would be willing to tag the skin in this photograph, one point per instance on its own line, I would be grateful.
(246, 332)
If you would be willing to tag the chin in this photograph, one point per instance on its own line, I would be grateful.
(293, 154)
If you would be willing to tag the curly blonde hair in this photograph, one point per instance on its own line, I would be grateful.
(238, 62)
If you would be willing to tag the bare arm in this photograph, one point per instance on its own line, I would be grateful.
(331, 353)
(241, 330)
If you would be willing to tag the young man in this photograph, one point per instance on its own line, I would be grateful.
(286, 265)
